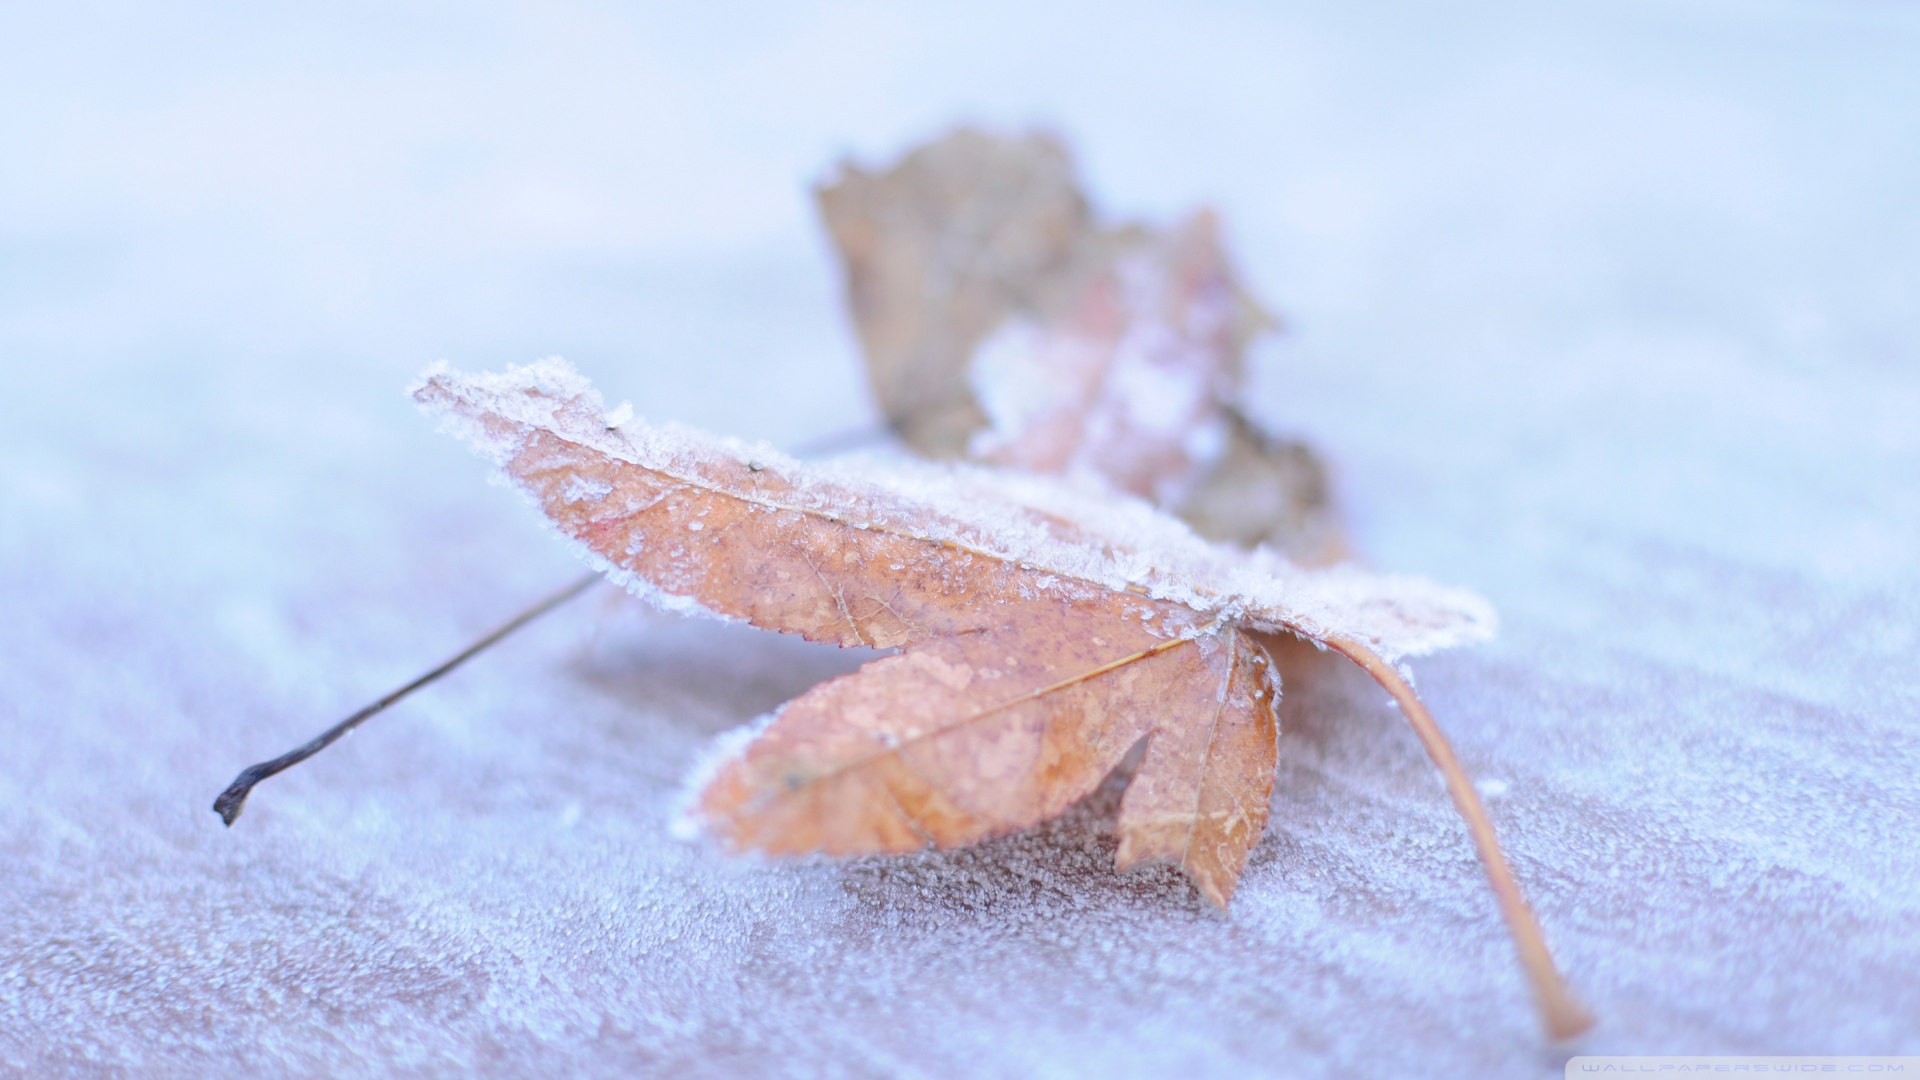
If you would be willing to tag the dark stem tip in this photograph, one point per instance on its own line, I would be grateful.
(234, 799)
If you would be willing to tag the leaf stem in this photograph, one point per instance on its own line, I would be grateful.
(1563, 1015)
(234, 799)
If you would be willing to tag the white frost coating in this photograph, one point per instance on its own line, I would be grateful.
(581, 489)
(671, 603)
(1127, 386)
(685, 824)
(1161, 377)
(1014, 388)
(1075, 530)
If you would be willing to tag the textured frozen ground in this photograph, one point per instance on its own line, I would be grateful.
(1611, 315)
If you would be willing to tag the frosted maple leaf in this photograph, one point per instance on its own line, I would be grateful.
(1042, 631)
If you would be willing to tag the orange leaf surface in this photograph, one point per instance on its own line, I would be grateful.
(1044, 632)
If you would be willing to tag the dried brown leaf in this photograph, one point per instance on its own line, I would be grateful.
(1001, 322)
(1044, 633)
(1265, 490)
(939, 251)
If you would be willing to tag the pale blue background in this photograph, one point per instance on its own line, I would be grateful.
(1611, 311)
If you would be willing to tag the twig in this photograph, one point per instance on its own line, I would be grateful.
(234, 799)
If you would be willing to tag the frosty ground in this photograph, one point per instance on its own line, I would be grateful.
(1607, 314)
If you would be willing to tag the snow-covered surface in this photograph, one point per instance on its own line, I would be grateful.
(1608, 312)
